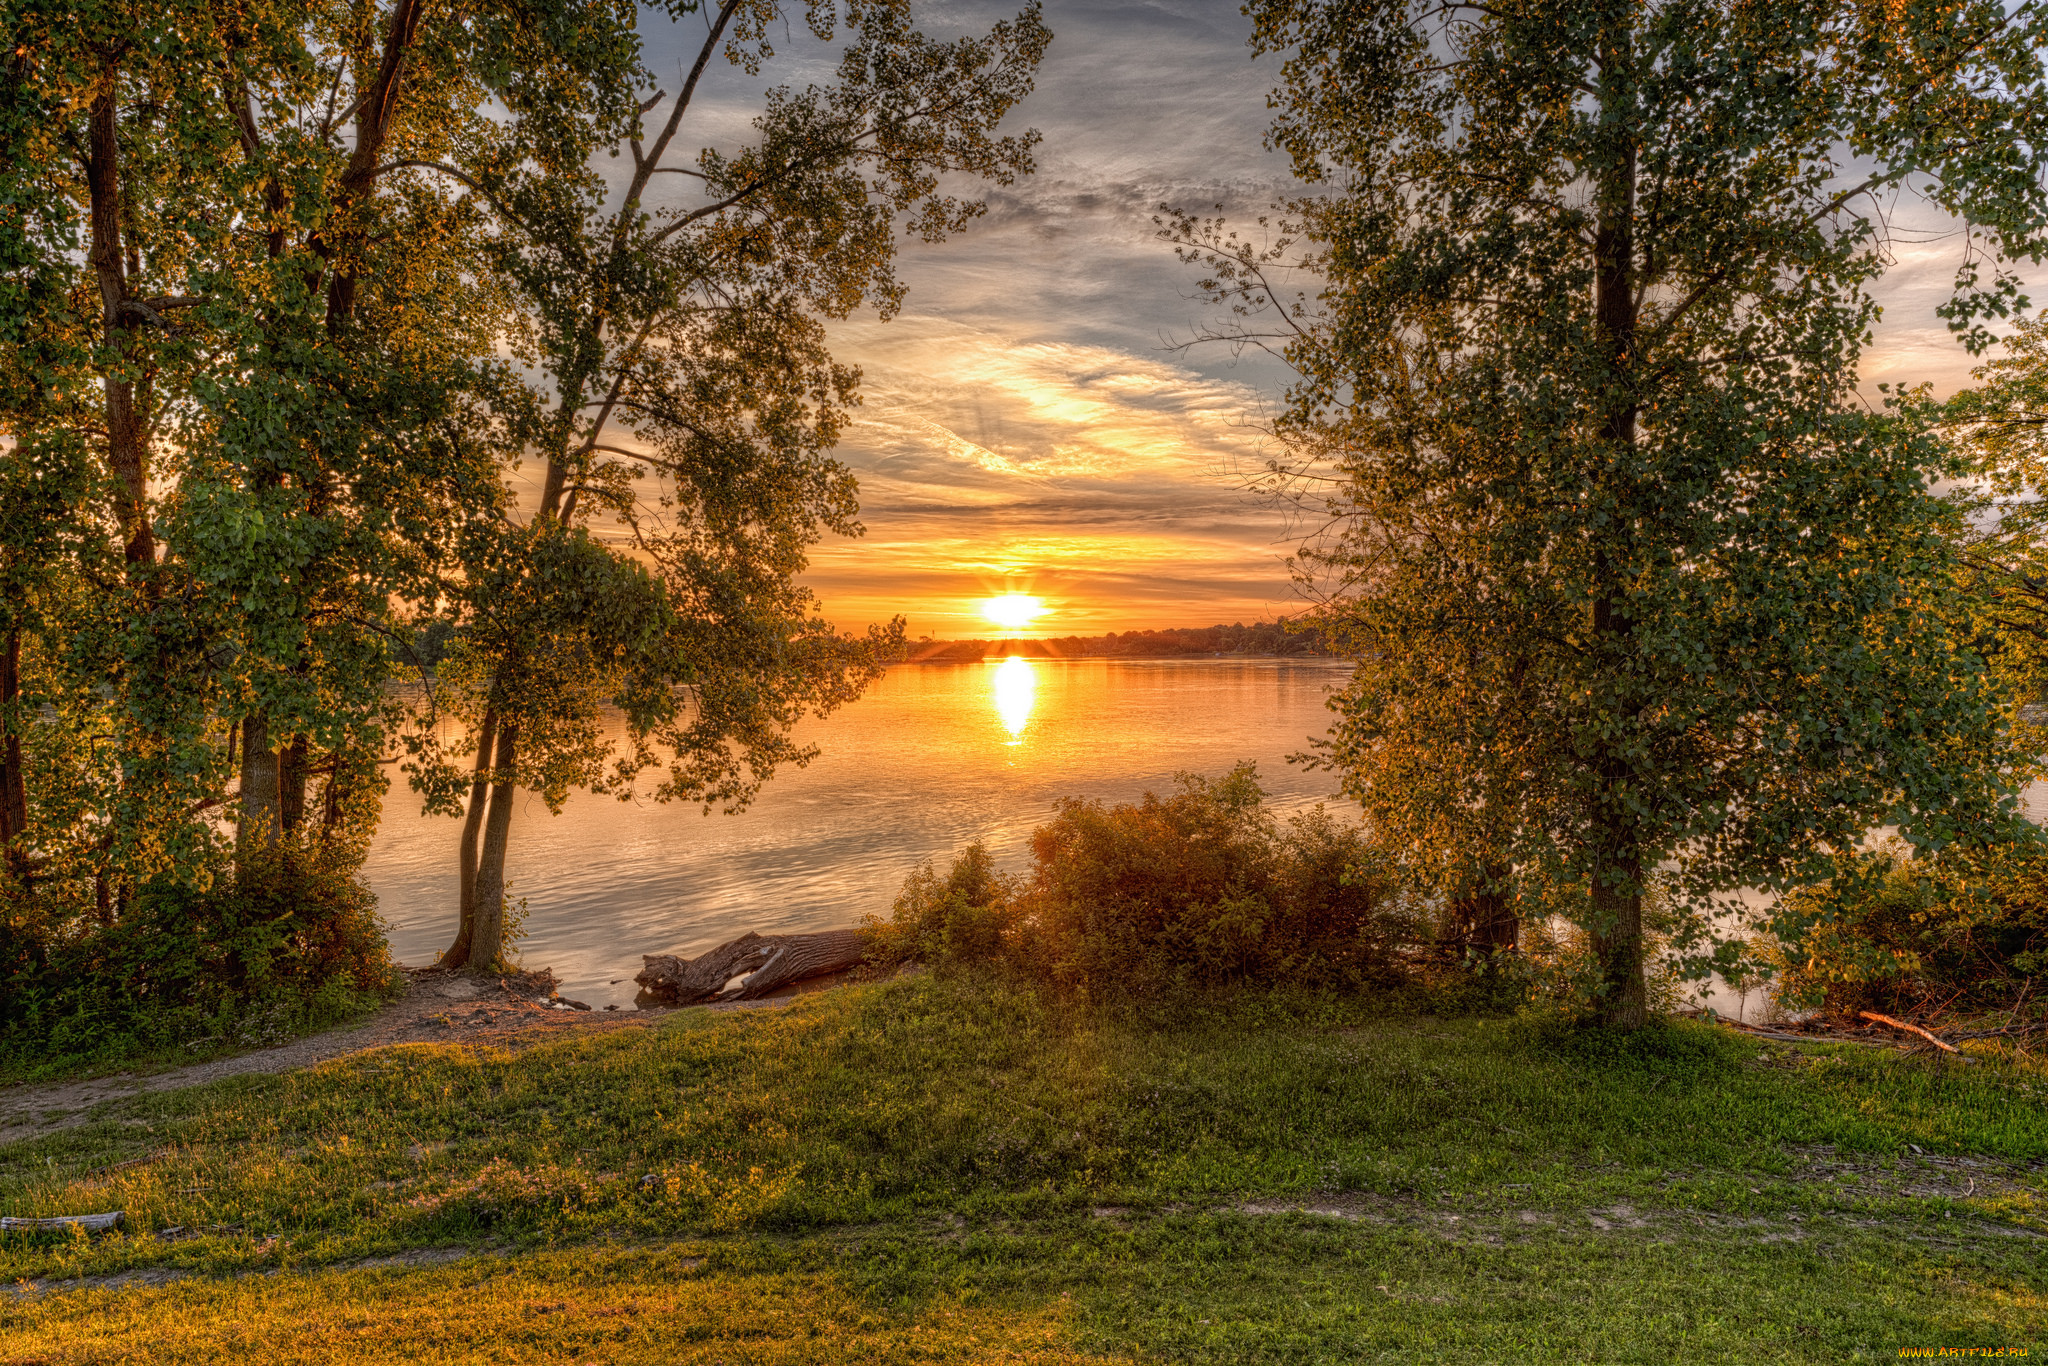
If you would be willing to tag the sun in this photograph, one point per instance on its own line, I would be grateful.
(1013, 611)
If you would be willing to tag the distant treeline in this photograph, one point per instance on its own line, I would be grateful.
(431, 641)
(1264, 638)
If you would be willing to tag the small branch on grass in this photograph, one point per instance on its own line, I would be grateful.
(1909, 1028)
(142, 1161)
(1759, 1032)
(1756, 1033)
(91, 1223)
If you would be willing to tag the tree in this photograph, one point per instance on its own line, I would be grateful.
(2000, 425)
(268, 346)
(339, 404)
(678, 387)
(1635, 583)
(45, 474)
(107, 107)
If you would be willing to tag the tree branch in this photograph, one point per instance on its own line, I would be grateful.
(445, 169)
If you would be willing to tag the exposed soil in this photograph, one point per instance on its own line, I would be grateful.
(1923, 1176)
(1492, 1226)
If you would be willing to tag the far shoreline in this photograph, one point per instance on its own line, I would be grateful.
(1263, 640)
(1006, 652)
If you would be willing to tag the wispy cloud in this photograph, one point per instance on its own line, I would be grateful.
(1105, 481)
(1029, 426)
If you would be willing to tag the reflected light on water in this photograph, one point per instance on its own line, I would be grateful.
(830, 843)
(1015, 683)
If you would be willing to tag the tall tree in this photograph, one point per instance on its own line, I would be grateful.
(683, 394)
(342, 411)
(125, 124)
(276, 356)
(45, 472)
(1633, 578)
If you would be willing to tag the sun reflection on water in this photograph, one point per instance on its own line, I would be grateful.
(1015, 683)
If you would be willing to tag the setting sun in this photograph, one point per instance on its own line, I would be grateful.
(1013, 611)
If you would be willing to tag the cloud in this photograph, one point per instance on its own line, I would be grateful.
(1106, 482)
(1028, 425)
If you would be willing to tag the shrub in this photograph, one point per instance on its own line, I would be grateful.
(1201, 887)
(1961, 930)
(286, 947)
(967, 916)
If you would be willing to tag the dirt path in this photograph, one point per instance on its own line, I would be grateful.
(437, 1007)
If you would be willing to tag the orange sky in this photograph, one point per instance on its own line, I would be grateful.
(1097, 480)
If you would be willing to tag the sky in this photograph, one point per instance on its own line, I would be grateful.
(1030, 423)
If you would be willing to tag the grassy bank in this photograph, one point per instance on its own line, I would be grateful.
(958, 1171)
(165, 1045)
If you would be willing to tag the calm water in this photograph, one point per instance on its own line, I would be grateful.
(931, 759)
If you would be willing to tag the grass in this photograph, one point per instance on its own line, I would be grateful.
(131, 1041)
(958, 1170)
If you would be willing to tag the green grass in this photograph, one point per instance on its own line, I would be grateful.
(967, 1170)
(139, 1042)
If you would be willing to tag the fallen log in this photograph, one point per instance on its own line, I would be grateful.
(768, 962)
(91, 1223)
(1762, 1032)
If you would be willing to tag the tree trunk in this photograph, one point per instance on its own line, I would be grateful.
(127, 396)
(472, 827)
(13, 776)
(1617, 868)
(291, 782)
(487, 938)
(1618, 944)
(340, 781)
(373, 131)
(261, 820)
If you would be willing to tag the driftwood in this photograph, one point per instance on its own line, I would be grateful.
(1909, 1028)
(769, 962)
(91, 1223)
(1760, 1032)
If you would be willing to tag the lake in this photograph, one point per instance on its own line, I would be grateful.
(932, 758)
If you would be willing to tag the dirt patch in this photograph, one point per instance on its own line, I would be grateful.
(1496, 1226)
(1921, 1175)
(142, 1279)
(436, 1007)
(1356, 1207)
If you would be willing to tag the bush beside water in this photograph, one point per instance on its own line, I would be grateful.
(1203, 887)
